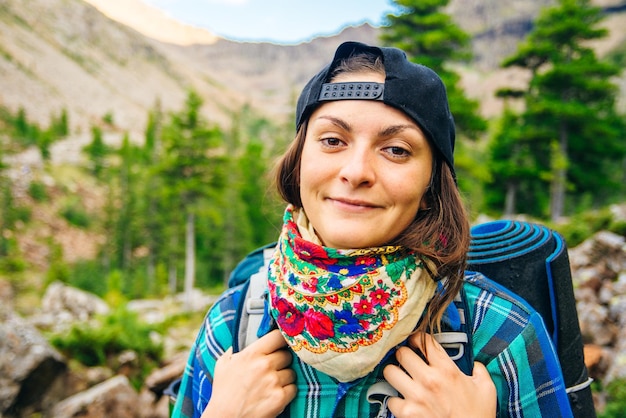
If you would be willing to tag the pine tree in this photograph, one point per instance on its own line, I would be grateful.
(570, 118)
(431, 38)
(192, 169)
(96, 151)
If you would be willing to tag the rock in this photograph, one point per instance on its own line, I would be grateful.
(604, 249)
(154, 406)
(618, 212)
(159, 379)
(80, 304)
(617, 368)
(599, 273)
(112, 398)
(64, 305)
(594, 324)
(28, 366)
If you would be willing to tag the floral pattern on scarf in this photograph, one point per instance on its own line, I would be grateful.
(332, 299)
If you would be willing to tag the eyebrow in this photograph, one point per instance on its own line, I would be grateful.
(394, 129)
(336, 121)
(387, 131)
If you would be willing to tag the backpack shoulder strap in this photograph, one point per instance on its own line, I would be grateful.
(251, 308)
(455, 335)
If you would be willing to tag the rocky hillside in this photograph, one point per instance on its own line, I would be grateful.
(97, 57)
(66, 53)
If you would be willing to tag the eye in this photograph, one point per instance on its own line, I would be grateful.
(331, 142)
(397, 152)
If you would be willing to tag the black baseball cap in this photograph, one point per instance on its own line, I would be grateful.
(413, 88)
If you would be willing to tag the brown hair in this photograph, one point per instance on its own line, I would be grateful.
(439, 233)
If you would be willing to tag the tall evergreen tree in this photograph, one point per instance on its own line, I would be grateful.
(431, 38)
(192, 168)
(152, 216)
(512, 169)
(6, 203)
(96, 151)
(570, 119)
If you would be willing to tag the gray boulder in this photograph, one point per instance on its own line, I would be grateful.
(111, 398)
(28, 366)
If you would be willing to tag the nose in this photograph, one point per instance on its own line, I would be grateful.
(359, 168)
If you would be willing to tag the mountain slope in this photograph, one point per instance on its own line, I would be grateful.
(152, 22)
(65, 53)
(69, 54)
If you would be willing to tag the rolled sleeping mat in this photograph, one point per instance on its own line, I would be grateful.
(531, 260)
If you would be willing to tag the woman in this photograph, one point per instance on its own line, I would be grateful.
(371, 254)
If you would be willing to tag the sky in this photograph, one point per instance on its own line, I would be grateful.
(280, 21)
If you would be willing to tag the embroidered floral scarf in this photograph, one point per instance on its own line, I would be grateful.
(342, 310)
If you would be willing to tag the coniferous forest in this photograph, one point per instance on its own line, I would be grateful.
(180, 207)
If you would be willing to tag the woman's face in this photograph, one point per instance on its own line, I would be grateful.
(364, 170)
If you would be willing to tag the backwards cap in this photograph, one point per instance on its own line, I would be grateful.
(415, 89)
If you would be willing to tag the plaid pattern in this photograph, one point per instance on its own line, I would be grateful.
(508, 337)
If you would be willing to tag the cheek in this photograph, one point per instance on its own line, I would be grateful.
(307, 173)
(309, 178)
(409, 199)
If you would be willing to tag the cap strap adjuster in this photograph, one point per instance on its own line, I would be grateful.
(352, 91)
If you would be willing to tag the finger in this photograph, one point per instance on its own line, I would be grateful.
(281, 359)
(414, 364)
(286, 377)
(434, 353)
(482, 378)
(398, 378)
(269, 343)
(290, 392)
(394, 404)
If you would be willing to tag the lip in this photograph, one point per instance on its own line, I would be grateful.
(353, 204)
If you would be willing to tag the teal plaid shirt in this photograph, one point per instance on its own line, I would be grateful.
(508, 337)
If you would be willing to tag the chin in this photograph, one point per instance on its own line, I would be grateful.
(353, 244)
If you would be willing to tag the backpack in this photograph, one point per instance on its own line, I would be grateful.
(527, 260)
(531, 262)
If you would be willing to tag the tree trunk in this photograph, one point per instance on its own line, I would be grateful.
(152, 258)
(509, 201)
(559, 176)
(190, 256)
(171, 277)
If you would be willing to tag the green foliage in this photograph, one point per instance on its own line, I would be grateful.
(13, 263)
(11, 214)
(58, 271)
(99, 345)
(618, 227)
(37, 190)
(26, 133)
(618, 56)
(74, 212)
(582, 226)
(96, 151)
(108, 118)
(570, 102)
(430, 37)
(88, 275)
(616, 400)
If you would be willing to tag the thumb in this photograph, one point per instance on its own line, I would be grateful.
(484, 383)
(226, 357)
